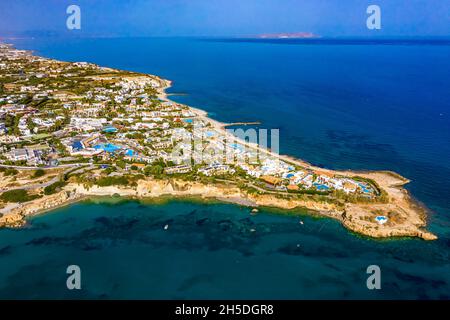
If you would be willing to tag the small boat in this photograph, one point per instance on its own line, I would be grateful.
(166, 227)
(301, 222)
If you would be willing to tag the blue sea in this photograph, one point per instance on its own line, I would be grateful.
(338, 104)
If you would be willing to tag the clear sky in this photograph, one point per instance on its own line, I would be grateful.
(226, 17)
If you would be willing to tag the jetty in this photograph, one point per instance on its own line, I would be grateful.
(240, 124)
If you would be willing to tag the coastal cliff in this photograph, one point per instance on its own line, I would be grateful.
(16, 218)
(406, 219)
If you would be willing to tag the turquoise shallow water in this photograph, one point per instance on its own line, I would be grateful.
(338, 105)
(209, 251)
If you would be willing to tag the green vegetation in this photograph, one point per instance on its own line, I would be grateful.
(53, 188)
(26, 100)
(12, 124)
(112, 181)
(30, 124)
(135, 135)
(155, 170)
(16, 196)
(41, 103)
(121, 164)
(38, 173)
(9, 171)
(110, 170)
(310, 192)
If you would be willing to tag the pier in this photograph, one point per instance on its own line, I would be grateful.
(241, 124)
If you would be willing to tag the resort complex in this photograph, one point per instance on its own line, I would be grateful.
(74, 130)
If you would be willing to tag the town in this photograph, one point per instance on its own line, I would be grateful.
(75, 130)
(61, 115)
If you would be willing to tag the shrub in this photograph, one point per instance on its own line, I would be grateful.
(11, 172)
(121, 164)
(38, 173)
(19, 195)
(51, 189)
(155, 170)
(111, 181)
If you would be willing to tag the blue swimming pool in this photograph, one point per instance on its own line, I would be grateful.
(130, 153)
(381, 219)
(364, 188)
(110, 130)
(321, 187)
(109, 147)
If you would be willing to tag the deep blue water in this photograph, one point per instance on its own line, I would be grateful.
(375, 105)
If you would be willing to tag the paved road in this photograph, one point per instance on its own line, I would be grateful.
(9, 207)
(69, 165)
